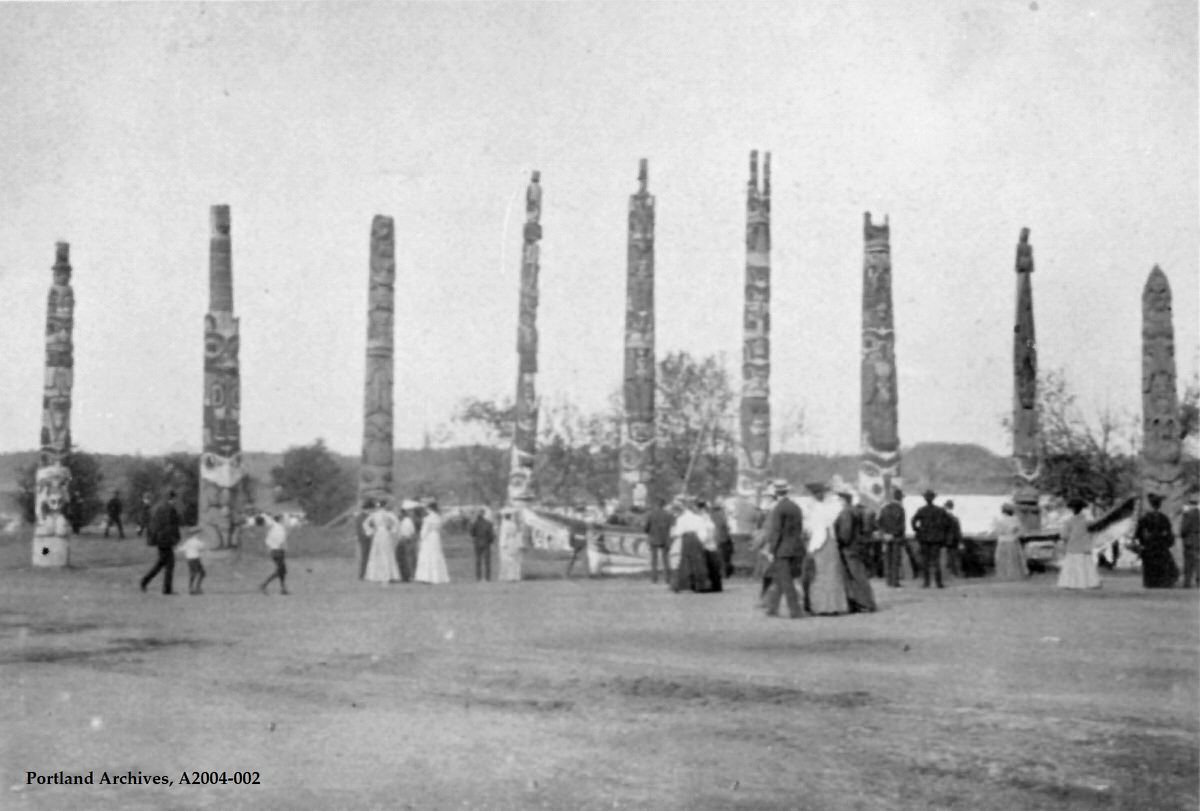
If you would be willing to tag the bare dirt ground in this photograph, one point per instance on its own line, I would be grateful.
(585, 693)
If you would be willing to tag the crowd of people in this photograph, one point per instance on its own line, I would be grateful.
(819, 560)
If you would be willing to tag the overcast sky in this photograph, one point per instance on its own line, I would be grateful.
(961, 122)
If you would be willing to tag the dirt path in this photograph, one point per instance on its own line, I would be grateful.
(591, 694)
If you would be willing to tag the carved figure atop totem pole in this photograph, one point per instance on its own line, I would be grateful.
(53, 478)
(1027, 461)
(637, 431)
(221, 471)
(1162, 446)
(879, 469)
(754, 458)
(524, 446)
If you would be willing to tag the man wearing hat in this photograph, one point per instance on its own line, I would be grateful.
(406, 545)
(658, 529)
(784, 544)
(930, 524)
(1189, 533)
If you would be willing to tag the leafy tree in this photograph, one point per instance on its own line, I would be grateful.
(1093, 458)
(313, 477)
(694, 416)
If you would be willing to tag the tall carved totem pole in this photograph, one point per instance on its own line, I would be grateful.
(524, 447)
(637, 432)
(755, 457)
(879, 469)
(1027, 462)
(375, 471)
(52, 529)
(1162, 447)
(221, 462)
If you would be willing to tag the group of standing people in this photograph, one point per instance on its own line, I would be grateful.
(402, 548)
(692, 542)
(827, 557)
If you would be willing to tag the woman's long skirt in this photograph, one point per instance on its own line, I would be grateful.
(825, 587)
(1010, 561)
(1078, 571)
(693, 572)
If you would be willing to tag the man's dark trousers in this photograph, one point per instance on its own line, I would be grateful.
(893, 549)
(931, 560)
(165, 564)
(483, 562)
(655, 553)
(782, 581)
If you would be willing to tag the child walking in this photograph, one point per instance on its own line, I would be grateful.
(276, 541)
(193, 548)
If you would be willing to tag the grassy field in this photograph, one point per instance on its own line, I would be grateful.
(585, 693)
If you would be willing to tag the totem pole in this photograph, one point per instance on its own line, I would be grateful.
(755, 456)
(524, 447)
(1027, 461)
(637, 432)
(879, 469)
(375, 468)
(221, 470)
(1162, 448)
(52, 529)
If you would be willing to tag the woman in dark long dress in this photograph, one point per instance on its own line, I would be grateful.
(852, 545)
(1155, 538)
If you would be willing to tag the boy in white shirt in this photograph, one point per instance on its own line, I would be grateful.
(276, 541)
(192, 549)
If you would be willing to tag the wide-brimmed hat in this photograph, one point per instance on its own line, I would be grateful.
(781, 486)
(409, 504)
(818, 489)
(929, 494)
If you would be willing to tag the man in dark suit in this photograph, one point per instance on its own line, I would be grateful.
(164, 534)
(930, 525)
(784, 544)
(483, 535)
(892, 527)
(658, 527)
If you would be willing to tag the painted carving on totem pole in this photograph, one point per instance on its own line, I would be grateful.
(1162, 448)
(879, 468)
(53, 477)
(754, 457)
(1026, 455)
(524, 447)
(221, 472)
(637, 432)
(375, 474)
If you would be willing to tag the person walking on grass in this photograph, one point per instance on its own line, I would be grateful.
(114, 509)
(276, 542)
(163, 533)
(783, 545)
(147, 506)
(193, 548)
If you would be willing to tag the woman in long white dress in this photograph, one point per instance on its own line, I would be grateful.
(825, 580)
(1010, 560)
(384, 528)
(1078, 567)
(431, 563)
(510, 545)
